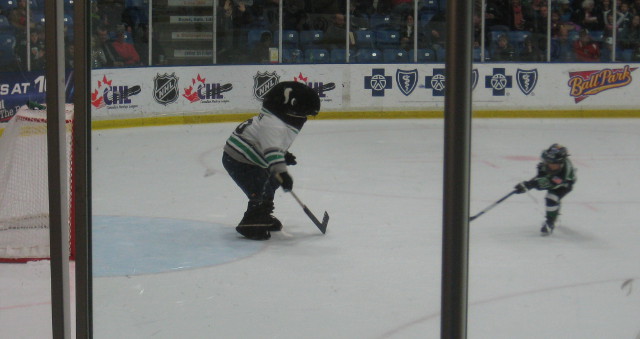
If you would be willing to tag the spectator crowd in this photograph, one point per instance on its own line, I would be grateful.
(322, 31)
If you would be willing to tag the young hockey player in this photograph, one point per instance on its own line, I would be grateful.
(256, 154)
(556, 175)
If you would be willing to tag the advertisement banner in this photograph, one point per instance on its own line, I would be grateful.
(16, 89)
(209, 90)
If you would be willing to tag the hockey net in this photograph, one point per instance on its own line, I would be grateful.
(24, 197)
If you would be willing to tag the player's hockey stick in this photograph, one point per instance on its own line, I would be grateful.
(321, 225)
(493, 205)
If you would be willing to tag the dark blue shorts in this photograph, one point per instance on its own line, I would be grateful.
(256, 182)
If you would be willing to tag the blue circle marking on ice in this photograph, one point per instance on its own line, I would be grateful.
(143, 245)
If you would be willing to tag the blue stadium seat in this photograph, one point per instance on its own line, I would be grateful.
(516, 38)
(254, 35)
(597, 35)
(381, 21)
(68, 20)
(477, 54)
(626, 55)
(369, 55)
(338, 56)
(311, 38)
(292, 56)
(289, 39)
(6, 5)
(5, 25)
(395, 56)
(38, 18)
(441, 54)
(317, 56)
(430, 6)
(365, 39)
(387, 39)
(425, 55)
(7, 48)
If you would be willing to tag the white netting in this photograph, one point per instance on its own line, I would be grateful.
(24, 197)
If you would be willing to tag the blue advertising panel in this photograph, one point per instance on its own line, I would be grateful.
(18, 88)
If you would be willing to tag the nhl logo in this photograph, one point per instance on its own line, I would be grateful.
(406, 80)
(165, 88)
(527, 79)
(263, 82)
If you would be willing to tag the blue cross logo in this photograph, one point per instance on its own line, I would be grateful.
(498, 81)
(378, 82)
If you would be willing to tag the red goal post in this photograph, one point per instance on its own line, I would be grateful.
(24, 194)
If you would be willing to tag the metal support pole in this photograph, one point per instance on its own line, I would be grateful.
(81, 168)
(457, 133)
(57, 170)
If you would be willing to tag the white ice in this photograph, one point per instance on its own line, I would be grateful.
(377, 271)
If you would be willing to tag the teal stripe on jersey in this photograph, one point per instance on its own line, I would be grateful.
(246, 150)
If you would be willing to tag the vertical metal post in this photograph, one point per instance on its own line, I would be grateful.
(57, 170)
(457, 133)
(81, 168)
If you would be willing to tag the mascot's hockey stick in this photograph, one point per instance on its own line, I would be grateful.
(492, 205)
(321, 225)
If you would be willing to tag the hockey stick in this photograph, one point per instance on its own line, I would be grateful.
(493, 205)
(321, 225)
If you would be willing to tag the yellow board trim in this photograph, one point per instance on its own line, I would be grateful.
(219, 118)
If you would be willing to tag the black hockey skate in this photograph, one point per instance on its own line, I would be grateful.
(547, 228)
(258, 223)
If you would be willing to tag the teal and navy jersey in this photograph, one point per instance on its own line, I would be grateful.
(566, 177)
(262, 141)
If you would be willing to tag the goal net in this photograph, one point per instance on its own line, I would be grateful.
(24, 197)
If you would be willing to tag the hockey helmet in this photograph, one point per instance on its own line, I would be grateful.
(555, 154)
(292, 99)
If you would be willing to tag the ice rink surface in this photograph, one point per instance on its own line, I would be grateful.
(169, 264)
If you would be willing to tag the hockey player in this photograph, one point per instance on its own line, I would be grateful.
(256, 154)
(556, 175)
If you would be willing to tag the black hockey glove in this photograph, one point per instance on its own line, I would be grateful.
(290, 159)
(520, 188)
(285, 181)
(525, 186)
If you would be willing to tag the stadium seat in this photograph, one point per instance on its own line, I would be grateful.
(311, 38)
(381, 21)
(477, 54)
(338, 56)
(5, 25)
(317, 56)
(425, 55)
(387, 39)
(365, 39)
(7, 48)
(6, 5)
(292, 56)
(369, 55)
(441, 54)
(254, 35)
(395, 56)
(289, 39)
(516, 38)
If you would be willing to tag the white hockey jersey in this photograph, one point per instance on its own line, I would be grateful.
(263, 141)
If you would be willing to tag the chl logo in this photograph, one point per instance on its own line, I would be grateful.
(108, 94)
(200, 89)
(527, 80)
(407, 80)
(378, 82)
(498, 81)
(319, 87)
(165, 88)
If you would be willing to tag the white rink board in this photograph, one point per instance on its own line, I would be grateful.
(159, 91)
